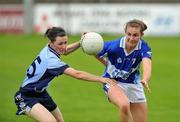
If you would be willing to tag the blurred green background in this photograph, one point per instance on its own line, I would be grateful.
(82, 101)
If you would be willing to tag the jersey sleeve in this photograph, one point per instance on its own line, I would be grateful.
(56, 66)
(146, 51)
(104, 51)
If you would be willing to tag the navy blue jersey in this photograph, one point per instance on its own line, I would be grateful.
(123, 66)
(44, 68)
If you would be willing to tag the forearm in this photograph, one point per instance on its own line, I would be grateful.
(147, 67)
(90, 77)
(82, 75)
(72, 47)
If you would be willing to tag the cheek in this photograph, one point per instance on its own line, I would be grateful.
(57, 48)
(61, 47)
(133, 38)
(136, 38)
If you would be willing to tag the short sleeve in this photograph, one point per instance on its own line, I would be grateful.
(146, 51)
(104, 51)
(56, 66)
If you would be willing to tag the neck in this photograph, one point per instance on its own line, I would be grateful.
(129, 48)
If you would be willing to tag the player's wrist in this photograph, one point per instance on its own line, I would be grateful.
(110, 82)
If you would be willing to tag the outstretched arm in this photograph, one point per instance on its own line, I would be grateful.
(82, 75)
(147, 67)
(72, 47)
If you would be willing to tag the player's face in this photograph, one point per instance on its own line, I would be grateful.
(59, 45)
(133, 36)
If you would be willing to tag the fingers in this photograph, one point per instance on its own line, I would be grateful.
(148, 89)
(84, 33)
(82, 36)
(146, 86)
(112, 82)
(81, 40)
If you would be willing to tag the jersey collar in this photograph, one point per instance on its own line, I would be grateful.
(53, 51)
(122, 45)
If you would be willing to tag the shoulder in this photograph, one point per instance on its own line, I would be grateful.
(146, 50)
(115, 40)
(144, 45)
(114, 43)
(52, 58)
(54, 61)
(44, 52)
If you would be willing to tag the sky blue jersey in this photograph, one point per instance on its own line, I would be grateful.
(44, 68)
(123, 66)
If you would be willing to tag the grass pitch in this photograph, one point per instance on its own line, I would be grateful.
(82, 101)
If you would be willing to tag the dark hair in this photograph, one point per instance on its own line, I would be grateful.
(136, 23)
(53, 32)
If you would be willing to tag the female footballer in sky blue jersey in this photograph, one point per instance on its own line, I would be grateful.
(32, 99)
(122, 58)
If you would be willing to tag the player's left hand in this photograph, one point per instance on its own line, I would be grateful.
(82, 37)
(145, 85)
(111, 82)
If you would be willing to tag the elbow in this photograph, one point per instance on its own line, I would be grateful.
(79, 75)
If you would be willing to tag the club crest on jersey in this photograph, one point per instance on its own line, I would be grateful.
(119, 60)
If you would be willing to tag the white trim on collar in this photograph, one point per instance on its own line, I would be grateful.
(53, 51)
(122, 45)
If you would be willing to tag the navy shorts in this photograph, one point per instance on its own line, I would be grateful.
(25, 101)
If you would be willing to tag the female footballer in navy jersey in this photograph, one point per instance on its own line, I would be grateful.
(122, 58)
(32, 99)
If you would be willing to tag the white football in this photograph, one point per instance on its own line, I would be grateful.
(92, 43)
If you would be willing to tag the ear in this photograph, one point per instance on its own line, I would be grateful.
(49, 42)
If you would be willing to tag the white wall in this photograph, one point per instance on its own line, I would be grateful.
(162, 19)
